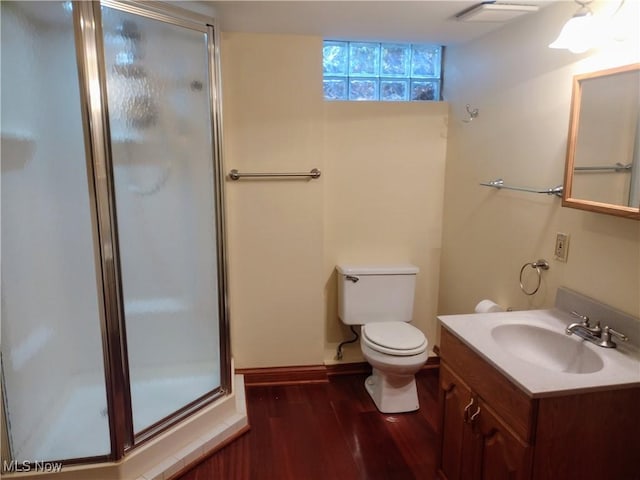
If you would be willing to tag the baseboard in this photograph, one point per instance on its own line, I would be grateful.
(310, 373)
(284, 375)
(359, 368)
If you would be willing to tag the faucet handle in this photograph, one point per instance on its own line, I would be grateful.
(608, 331)
(606, 337)
(584, 318)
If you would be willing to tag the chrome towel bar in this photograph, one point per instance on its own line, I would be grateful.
(499, 183)
(236, 175)
(618, 167)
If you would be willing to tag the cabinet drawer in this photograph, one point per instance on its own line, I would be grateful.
(506, 399)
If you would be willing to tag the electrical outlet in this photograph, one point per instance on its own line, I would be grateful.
(562, 246)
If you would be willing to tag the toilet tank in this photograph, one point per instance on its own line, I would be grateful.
(376, 293)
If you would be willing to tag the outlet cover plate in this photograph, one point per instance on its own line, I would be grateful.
(561, 251)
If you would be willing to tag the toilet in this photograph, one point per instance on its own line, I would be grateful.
(380, 298)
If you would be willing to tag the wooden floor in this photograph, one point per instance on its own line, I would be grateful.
(329, 431)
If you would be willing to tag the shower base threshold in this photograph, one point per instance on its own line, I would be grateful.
(77, 424)
(173, 450)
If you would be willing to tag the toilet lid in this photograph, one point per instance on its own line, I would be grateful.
(394, 338)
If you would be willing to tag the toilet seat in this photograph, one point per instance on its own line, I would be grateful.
(394, 338)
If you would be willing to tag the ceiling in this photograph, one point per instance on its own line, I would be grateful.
(427, 21)
(419, 21)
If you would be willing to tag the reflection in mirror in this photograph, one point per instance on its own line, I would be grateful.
(602, 172)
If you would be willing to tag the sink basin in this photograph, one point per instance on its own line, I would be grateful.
(532, 350)
(546, 348)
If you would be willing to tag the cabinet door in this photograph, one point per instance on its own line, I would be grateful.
(456, 435)
(498, 453)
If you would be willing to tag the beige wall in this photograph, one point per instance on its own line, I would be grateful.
(379, 198)
(383, 199)
(272, 112)
(523, 89)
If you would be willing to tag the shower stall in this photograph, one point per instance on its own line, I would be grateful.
(114, 318)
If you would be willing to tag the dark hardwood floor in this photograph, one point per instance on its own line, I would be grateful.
(329, 431)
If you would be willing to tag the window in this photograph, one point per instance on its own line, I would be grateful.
(392, 72)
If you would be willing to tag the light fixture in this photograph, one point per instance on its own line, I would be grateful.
(492, 11)
(581, 32)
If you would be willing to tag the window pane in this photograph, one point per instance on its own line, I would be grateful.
(394, 90)
(335, 88)
(395, 60)
(334, 58)
(363, 89)
(381, 71)
(425, 61)
(425, 90)
(364, 59)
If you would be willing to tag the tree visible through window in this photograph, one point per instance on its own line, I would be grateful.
(381, 71)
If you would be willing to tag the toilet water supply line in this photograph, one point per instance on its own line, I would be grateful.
(354, 339)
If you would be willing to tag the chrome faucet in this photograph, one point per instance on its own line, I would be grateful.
(594, 334)
(584, 327)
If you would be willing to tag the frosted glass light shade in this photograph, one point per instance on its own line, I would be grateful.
(579, 34)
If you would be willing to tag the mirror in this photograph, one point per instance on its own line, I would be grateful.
(602, 171)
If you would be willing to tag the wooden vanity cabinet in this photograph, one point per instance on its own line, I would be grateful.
(455, 400)
(476, 443)
(499, 454)
(593, 435)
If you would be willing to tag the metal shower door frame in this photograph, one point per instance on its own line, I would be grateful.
(95, 117)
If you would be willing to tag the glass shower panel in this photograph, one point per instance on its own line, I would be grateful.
(159, 114)
(52, 363)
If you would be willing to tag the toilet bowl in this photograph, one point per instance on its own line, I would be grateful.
(396, 351)
(380, 298)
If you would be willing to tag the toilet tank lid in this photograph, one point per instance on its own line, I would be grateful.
(398, 269)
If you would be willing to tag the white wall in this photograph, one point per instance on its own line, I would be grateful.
(523, 91)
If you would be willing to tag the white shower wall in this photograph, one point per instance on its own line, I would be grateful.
(50, 323)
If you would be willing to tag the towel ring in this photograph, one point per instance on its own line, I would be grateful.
(539, 266)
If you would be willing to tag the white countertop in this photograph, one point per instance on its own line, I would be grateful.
(621, 365)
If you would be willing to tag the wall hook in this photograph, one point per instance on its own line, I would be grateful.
(473, 113)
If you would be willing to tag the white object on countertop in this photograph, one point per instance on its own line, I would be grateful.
(488, 306)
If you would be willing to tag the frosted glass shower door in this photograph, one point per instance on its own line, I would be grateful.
(52, 359)
(160, 121)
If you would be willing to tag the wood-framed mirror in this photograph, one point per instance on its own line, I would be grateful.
(602, 170)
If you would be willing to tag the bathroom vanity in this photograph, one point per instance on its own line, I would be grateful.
(520, 400)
